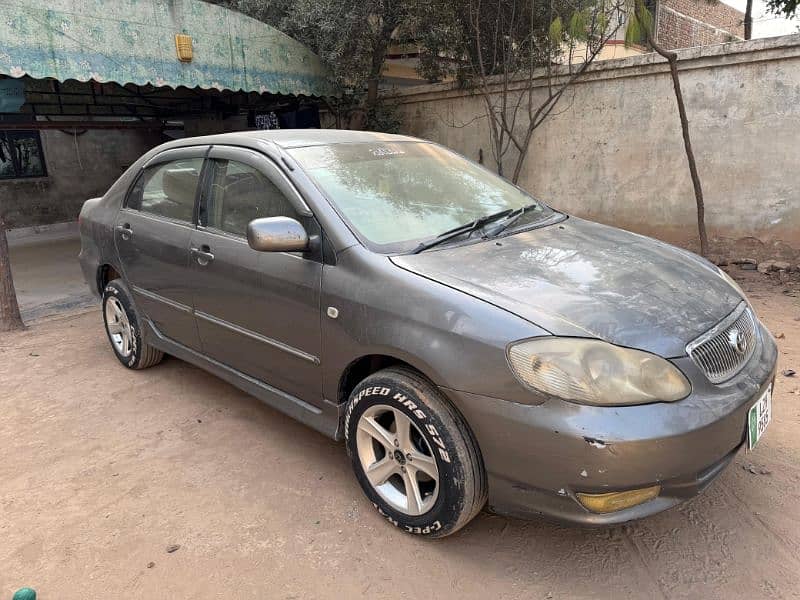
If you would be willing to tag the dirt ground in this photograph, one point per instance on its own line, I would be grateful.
(103, 468)
(47, 277)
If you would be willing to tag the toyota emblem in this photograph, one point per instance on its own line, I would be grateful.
(737, 341)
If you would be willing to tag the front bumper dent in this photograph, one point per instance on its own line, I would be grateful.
(539, 456)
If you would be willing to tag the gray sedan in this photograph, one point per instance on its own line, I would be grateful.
(466, 341)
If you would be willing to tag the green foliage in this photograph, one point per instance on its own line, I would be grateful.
(350, 36)
(382, 116)
(469, 39)
(640, 23)
(579, 25)
(556, 31)
(462, 38)
(786, 8)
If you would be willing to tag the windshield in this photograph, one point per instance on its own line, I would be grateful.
(398, 194)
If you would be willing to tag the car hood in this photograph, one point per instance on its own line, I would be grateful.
(579, 278)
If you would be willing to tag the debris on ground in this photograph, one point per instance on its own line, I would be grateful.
(780, 336)
(151, 564)
(788, 372)
(768, 266)
(172, 548)
(755, 470)
(744, 261)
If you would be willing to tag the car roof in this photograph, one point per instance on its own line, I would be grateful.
(295, 138)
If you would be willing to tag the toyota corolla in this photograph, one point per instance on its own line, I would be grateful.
(468, 342)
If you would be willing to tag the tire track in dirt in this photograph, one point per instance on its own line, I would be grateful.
(639, 557)
(784, 545)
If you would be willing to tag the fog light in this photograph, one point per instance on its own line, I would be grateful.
(614, 501)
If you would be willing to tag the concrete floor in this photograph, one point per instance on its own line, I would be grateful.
(47, 275)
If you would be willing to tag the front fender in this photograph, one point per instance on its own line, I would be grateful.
(454, 339)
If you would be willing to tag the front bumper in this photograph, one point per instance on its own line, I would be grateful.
(539, 456)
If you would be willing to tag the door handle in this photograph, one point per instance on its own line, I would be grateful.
(125, 231)
(202, 255)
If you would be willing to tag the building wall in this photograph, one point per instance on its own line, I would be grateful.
(78, 167)
(612, 151)
(688, 23)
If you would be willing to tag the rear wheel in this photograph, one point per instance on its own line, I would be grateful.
(124, 332)
(413, 454)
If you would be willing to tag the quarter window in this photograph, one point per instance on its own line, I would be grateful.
(168, 189)
(239, 194)
(21, 155)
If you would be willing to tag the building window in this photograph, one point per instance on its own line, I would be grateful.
(21, 155)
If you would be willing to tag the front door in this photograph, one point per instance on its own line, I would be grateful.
(152, 236)
(257, 312)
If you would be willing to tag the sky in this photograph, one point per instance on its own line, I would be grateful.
(766, 24)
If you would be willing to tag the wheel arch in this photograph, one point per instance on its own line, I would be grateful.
(106, 273)
(364, 366)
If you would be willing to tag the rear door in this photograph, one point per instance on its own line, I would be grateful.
(152, 236)
(257, 312)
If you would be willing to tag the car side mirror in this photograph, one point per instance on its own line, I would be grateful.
(277, 234)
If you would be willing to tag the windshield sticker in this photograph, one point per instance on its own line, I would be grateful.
(384, 151)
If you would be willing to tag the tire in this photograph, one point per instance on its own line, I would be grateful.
(439, 457)
(123, 329)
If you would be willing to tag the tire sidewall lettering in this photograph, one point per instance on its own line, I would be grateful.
(405, 400)
(129, 361)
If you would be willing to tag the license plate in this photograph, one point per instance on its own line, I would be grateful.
(758, 418)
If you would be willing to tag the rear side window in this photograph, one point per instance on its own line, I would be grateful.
(168, 189)
(239, 194)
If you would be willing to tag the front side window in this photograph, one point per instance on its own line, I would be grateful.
(398, 194)
(239, 194)
(168, 189)
(21, 155)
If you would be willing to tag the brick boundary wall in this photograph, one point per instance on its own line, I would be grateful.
(689, 23)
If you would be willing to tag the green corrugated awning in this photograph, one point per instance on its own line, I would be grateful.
(133, 41)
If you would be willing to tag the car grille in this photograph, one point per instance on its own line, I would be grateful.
(722, 351)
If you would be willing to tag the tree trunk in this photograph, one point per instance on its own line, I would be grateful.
(10, 319)
(748, 20)
(379, 48)
(672, 58)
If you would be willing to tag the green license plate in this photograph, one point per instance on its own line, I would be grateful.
(758, 418)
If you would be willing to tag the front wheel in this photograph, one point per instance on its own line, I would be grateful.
(413, 454)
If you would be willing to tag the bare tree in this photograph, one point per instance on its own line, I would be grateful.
(10, 318)
(520, 57)
(640, 26)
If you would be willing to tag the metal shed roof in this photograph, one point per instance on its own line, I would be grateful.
(133, 41)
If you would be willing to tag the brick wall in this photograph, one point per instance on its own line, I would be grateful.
(687, 23)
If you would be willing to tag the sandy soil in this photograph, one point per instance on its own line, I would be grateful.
(103, 468)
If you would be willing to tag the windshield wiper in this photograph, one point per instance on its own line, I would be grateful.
(461, 230)
(512, 218)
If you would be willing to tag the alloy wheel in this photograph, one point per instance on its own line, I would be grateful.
(397, 460)
(119, 327)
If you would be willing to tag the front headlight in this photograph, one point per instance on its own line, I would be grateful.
(596, 372)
